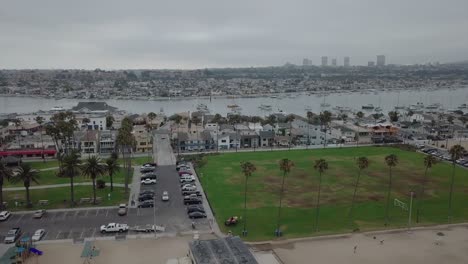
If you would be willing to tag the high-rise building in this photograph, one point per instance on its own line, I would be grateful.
(333, 62)
(380, 60)
(370, 64)
(324, 61)
(306, 62)
(346, 62)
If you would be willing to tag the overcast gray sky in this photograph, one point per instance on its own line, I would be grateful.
(116, 34)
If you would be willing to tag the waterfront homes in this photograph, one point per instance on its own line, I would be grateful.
(143, 138)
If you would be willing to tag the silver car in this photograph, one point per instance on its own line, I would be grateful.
(165, 196)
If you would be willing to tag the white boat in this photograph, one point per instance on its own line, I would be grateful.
(265, 107)
(308, 108)
(202, 108)
(368, 107)
(433, 106)
(57, 108)
(378, 109)
(463, 106)
(416, 106)
(325, 105)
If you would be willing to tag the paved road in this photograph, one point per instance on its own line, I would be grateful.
(164, 155)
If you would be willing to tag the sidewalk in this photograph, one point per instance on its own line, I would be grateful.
(9, 189)
(134, 187)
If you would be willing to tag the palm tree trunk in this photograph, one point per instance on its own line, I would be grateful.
(420, 196)
(72, 193)
(317, 210)
(450, 195)
(290, 135)
(42, 144)
(28, 198)
(111, 181)
(1, 197)
(350, 216)
(280, 202)
(245, 205)
(94, 190)
(388, 196)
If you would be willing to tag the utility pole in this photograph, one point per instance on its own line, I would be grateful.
(410, 211)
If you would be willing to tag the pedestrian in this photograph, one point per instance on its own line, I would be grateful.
(355, 247)
(193, 225)
(381, 242)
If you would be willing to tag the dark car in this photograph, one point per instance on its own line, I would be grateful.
(153, 164)
(145, 197)
(146, 204)
(195, 208)
(197, 215)
(185, 172)
(193, 200)
(148, 169)
(149, 192)
(185, 193)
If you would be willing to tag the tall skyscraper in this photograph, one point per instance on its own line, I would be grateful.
(370, 64)
(380, 60)
(324, 61)
(333, 62)
(346, 62)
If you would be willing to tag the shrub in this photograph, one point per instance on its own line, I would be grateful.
(100, 184)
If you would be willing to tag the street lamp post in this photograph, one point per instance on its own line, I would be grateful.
(410, 211)
(154, 215)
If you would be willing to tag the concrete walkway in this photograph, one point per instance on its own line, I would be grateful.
(134, 187)
(10, 189)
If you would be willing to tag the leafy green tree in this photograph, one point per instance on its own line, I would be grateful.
(247, 169)
(456, 152)
(289, 120)
(93, 168)
(325, 119)
(393, 115)
(109, 121)
(26, 174)
(429, 161)
(71, 168)
(112, 166)
(5, 173)
(362, 163)
(391, 161)
(285, 166)
(321, 166)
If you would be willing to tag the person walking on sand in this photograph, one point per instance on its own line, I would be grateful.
(355, 248)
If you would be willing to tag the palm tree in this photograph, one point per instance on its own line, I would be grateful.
(17, 125)
(112, 166)
(321, 166)
(93, 169)
(71, 168)
(5, 173)
(151, 117)
(289, 120)
(362, 163)
(325, 118)
(359, 116)
(391, 161)
(456, 152)
(285, 166)
(429, 161)
(26, 174)
(310, 115)
(196, 121)
(148, 128)
(247, 168)
(177, 119)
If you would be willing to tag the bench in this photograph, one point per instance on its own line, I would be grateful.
(85, 200)
(43, 202)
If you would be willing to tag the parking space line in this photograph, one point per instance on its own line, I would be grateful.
(82, 232)
(19, 219)
(97, 212)
(58, 234)
(94, 231)
(107, 212)
(76, 214)
(86, 214)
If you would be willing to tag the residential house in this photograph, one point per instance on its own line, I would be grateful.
(249, 139)
(195, 142)
(267, 138)
(107, 141)
(93, 107)
(86, 141)
(224, 141)
(143, 138)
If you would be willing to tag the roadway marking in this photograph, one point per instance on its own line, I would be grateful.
(19, 219)
(94, 232)
(58, 234)
(76, 214)
(97, 212)
(107, 212)
(86, 214)
(82, 232)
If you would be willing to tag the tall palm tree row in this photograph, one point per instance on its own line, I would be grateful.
(5, 174)
(362, 163)
(456, 152)
(429, 161)
(321, 166)
(247, 169)
(92, 168)
(26, 174)
(40, 120)
(391, 161)
(285, 166)
(71, 163)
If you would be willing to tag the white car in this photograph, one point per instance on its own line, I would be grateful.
(4, 215)
(165, 196)
(148, 181)
(38, 235)
(188, 178)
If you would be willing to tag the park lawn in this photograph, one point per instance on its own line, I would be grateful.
(223, 183)
(60, 197)
(48, 177)
(53, 163)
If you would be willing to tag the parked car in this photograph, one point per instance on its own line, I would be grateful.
(146, 204)
(151, 175)
(165, 196)
(182, 185)
(4, 215)
(191, 192)
(122, 210)
(187, 178)
(13, 235)
(150, 192)
(181, 173)
(113, 227)
(192, 195)
(189, 188)
(195, 208)
(145, 197)
(150, 164)
(193, 201)
(148, 181)
(39, 214)
(147, 169)
(38, 235)
(197, 215)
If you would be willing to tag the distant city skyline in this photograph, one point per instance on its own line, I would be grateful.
(156, 34)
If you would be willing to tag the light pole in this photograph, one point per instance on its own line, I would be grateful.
(154, 215)
(410, 210)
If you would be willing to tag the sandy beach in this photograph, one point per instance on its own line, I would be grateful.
(422, 246)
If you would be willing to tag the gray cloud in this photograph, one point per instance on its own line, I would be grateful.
(115, 34)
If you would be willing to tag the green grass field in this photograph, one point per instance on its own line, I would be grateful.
(48, 177)
(60, 197)
(223, 182)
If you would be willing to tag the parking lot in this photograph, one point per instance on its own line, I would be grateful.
(85, 223)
